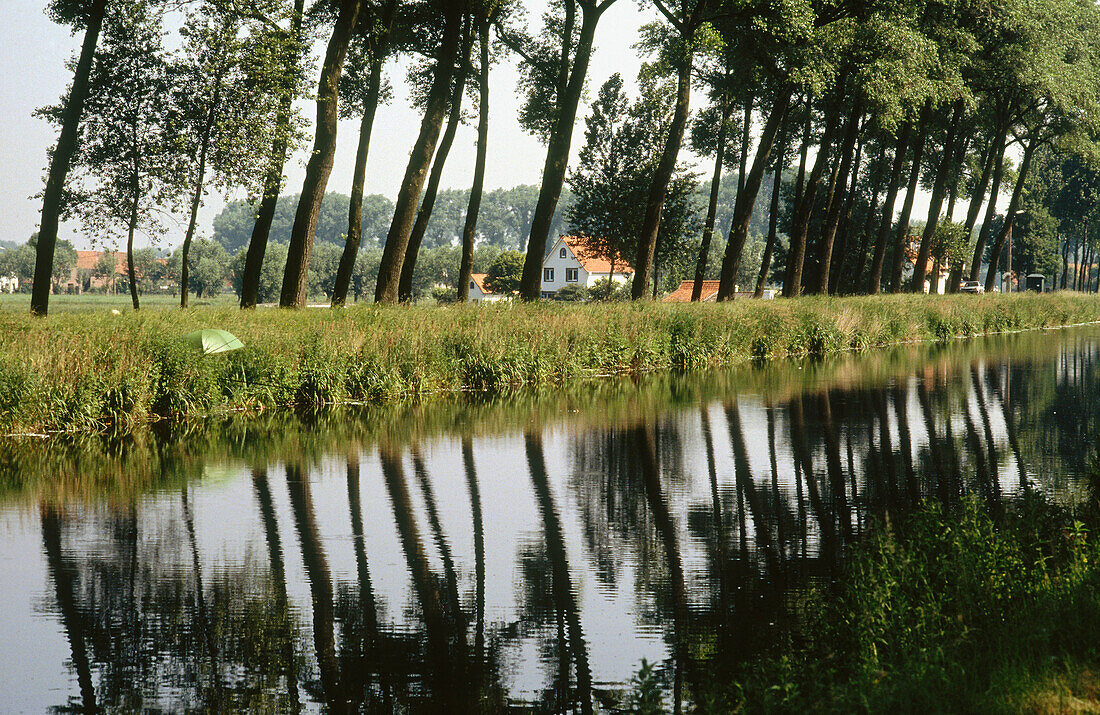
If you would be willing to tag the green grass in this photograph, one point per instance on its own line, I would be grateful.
(87, 370)
(947, 611)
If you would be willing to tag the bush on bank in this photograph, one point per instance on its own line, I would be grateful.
(950, 610)
(87, 370)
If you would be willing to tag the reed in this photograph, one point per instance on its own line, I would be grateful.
(93, 370)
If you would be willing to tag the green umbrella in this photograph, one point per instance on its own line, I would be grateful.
(212, 340)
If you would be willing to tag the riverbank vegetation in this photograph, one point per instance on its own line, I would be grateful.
(958, 609)
(88, 370)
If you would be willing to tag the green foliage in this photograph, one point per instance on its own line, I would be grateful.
(948, 610)
(505, 272)
(623, 143)
(233, 225)
(128, 167)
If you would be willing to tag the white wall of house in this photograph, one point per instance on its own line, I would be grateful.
(477, 296)
(561, 268)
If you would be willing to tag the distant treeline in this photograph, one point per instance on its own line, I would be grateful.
(504, 221)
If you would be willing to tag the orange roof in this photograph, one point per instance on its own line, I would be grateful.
(683, 293)
(479, 280)
(87, 260)
(591, 260)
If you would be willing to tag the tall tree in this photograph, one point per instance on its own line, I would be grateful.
(361, 89)
(226, 92)
(486, 13)
(89, 17)
(287, 48)
(687, 18)
(553, 71)
(436, 106)
(129, 166)
(296, 273)
(431, 191)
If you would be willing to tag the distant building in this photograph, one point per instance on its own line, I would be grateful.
(936, 273)
(709, 293)
(86, 262)
(9, 283)
(481, 293)
(575, 261)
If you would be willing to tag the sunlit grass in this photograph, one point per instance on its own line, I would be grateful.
(84, 369)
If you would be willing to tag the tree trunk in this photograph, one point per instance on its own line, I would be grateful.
(956, 175)
(469, 230)
(1010, 217)
(427, 205)
(800, 180)
(320, 162)
(1065, 262)
(840, 253)
(712, 206)
(557, 152)
(651, 222)
(131, 227)
(856, 278)
(185, 250)
(837, 198)
(742, 210)
(893, 184)
(366, 127)
(273, 182)
(773, 224)
(939, 188)
(901, 233)
(796, 256)
(746, 138)
(976, 199)
(397, 240)
(60, 160)
(196, 198)
(991, 210)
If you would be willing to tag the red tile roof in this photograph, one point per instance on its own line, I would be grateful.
(591, 260)
(87, 260)
(683, 293)
(479, 280)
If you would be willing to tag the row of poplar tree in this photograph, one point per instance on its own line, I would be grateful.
(885, 96)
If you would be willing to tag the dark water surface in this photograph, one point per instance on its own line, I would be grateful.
(526, 551)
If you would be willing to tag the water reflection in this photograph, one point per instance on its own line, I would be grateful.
(484, 558)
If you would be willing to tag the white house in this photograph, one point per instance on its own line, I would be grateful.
(9, 283)
(480, 293)
(572, 262)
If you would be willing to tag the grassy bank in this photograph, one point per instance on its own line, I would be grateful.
(91, 370)
(949, 610)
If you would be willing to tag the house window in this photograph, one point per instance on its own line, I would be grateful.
(473, 285)
(548, 275)
(570, 275)
(548, 294)
(561, 253)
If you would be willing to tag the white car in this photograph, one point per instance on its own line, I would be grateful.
(972, 287)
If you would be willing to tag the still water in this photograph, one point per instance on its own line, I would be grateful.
(520, 552)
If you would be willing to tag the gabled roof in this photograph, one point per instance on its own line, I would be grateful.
(683, 294)
(479, 280)
(591, 259)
